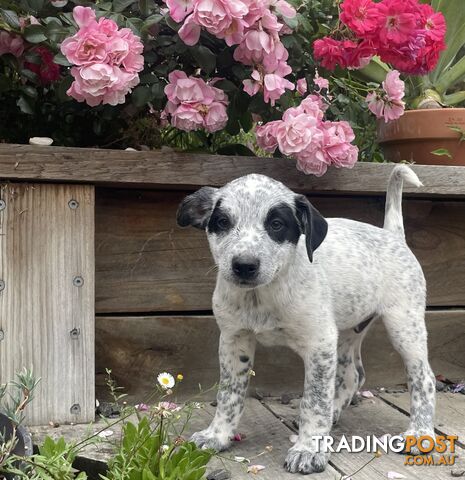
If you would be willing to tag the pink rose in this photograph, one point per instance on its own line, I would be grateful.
(296, 133)
(216, 117)
(266, 136)
(189, 33)
(309, 164)
(274, 86)
(187, 117)
(394, 86)
(11, 43)
(85, 49)
(336, 145)
(216, 15)
(302, 86)
(101, 83)
(179, 9)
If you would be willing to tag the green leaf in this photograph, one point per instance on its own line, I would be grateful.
(141, 95)
(205, 58)
(442, 152)
(135, 24)
(146, 6)
(291, 22)
(35, 34)
(10, 17)
(120, 5)
(454, 14)
(226, 85)
(60, 59)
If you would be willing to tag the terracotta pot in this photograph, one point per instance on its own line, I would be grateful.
(418, 132)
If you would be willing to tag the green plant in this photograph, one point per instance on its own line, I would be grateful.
(146, 453)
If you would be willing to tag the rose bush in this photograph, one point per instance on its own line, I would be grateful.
(227, 76)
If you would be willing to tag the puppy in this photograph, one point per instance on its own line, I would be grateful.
(288, 276)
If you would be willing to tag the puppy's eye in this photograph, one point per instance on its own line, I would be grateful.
(223, 223)
(277, 225)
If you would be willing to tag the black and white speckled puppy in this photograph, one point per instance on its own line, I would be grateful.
(288, 276)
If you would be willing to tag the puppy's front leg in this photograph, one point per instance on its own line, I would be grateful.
(236, 359)
(316, 407)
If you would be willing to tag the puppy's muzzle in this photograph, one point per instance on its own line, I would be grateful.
(245, 269)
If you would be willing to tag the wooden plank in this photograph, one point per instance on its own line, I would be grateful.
(261, 429)
(187, 171)
(44, 246)
(450, 411)
(145, 263)
(133, 346)
(370, 417)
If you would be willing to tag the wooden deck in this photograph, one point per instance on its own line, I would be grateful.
(270, 423)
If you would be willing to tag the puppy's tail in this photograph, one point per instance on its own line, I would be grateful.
(393, 214)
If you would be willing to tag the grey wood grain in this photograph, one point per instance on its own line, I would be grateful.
(44, 246)
(180, 170)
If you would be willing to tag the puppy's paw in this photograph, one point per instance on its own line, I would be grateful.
(413, 449)
(207, 440)
(301, 459)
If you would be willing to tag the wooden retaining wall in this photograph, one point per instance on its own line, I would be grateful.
(153, 281)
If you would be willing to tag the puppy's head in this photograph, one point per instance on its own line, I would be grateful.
(253, 226)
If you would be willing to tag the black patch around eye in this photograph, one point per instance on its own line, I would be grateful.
(290, 230)
(220, 222)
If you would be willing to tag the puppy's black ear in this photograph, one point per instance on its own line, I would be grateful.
(195, 209)
(312, 224)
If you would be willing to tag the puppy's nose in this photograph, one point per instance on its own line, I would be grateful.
(245, 269)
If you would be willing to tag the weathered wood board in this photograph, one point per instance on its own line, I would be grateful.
(145, 263)
(47, 299)
(170, 169)
(373, 417)
(137, 348)
(450, 411)
(267, 424)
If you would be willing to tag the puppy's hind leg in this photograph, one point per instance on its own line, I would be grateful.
(407, 331)
(350, 374)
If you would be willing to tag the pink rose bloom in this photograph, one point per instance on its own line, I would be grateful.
(284, 8)
(296, 133)
(189, 33)
(193, 104)
(101, 83)
(394, 86)
(308, 163)
(274, 86)
(85, 49)
(329, 52)
(258, 40)
(312, 105)
(216, 117)
(187, 118)
(302, 86)
(375, 104)
(11, 43)
(216, 15)
(179, 9)
(321, 82)
(266, 136)
(336, 145)
(396, 20)
(360, 16)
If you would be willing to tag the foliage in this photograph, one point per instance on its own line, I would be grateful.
(151, 448)
(145, 454)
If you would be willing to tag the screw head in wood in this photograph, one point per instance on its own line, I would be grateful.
(75, 409)
(73, 204)
(78, 281)
(74, 333)
(2, 204)
(2, 285)
(2, 335)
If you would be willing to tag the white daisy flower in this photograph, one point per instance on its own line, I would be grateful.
(166, 380)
